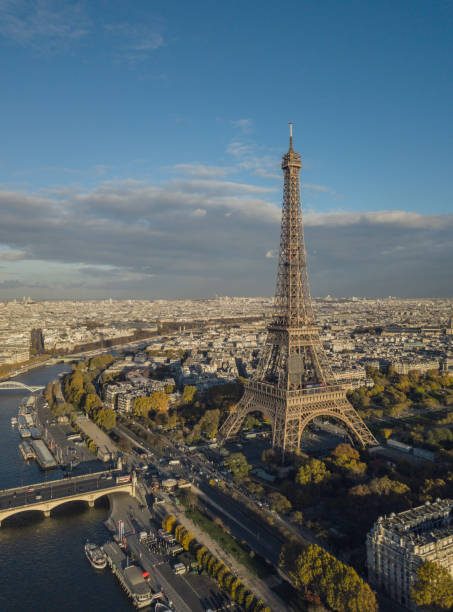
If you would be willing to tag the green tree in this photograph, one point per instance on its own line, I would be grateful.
(387, 486)
(313, 471)
(101, 362)
(61, 408)
(142, 406)
(238, 465)
(74, 387)
(92, 403)
(433, 586)
(209, 423)
(188, 394)
(106, 418)
(298, 517)
(279, 502)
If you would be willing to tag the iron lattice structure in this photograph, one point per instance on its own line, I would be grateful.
(294, 383)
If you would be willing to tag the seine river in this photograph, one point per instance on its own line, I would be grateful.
(43, 566)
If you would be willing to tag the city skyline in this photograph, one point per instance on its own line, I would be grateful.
(135, 170)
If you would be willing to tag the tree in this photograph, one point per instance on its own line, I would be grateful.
(74, 387)
(238, 466)
(312, 472)
(338, 585)
(298, 517)
(62, 408)
(270, 456)
(172, 420)
(106, 418)
(386, 432)
(188, 394)
(433, 586)
(347, 458)
(279, 502)
(209, 423)
(255, 488)
(159, 401)
(142, 406)
(101, 362)
(92, 403)
(387, 486)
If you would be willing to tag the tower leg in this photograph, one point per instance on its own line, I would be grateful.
(235, 419)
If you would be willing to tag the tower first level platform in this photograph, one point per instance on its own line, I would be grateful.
(290, 412)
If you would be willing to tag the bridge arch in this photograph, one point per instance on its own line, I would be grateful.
(17, 511)
(13, 385)
(46, 506)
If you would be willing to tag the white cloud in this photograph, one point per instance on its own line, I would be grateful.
(135, 42)
(254, 159)
(199, 212)
(48, 26)
(244, 125)
(12, 254)
(202, 170)
(137, 238)
(237, 148)
(399, 218)
(318, 188)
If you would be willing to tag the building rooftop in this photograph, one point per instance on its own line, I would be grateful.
(419, 520)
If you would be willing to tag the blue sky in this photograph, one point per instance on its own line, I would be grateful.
(140, 145)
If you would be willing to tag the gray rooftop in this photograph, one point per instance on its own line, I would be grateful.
(414, 520)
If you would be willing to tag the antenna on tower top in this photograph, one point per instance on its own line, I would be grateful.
(290, 134)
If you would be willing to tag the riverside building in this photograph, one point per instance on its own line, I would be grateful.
(399, 543)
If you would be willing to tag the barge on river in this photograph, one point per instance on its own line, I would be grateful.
(130, 576)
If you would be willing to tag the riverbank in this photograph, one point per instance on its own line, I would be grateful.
(36, 552)
(89, 352)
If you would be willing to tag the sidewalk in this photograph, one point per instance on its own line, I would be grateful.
(259, 587)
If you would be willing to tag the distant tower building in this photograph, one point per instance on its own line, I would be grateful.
(397, 545)
(294, 382)
(36, 342)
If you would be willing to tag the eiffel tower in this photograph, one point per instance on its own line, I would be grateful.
(294, 383)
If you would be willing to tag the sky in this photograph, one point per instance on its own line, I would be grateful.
(141, 142)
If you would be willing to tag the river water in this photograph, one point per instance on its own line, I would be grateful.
(43, 567)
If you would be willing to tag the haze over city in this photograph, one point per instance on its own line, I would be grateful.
(141, 147)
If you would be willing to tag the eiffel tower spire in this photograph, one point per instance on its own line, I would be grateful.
(294, 382)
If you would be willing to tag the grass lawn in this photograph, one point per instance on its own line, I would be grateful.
(254, 563)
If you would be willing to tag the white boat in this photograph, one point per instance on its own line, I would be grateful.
(95, 555)
(24, 432)
(13, 421)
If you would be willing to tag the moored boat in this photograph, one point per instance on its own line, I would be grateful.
(95, 555)
(24, 432)
(26, 451)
